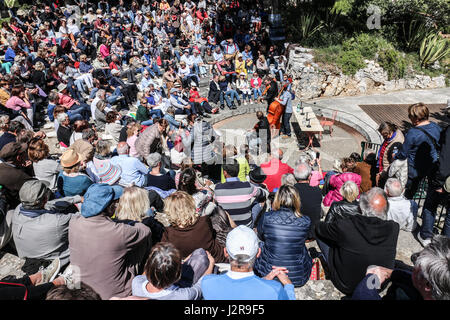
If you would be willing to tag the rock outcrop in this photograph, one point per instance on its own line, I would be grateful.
(311, 81)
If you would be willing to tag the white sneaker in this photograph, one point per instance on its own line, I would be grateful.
(423, 242)
(245, 103)
(49, 274)
(70, 277)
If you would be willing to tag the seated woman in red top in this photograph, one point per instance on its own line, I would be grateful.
(201, 103)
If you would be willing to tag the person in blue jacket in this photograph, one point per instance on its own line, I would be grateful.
(419, 148)
(284, 231)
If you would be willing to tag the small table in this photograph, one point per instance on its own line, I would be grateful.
(310, 117)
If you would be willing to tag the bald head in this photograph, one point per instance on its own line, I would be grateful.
(122, 148)
(374, 203)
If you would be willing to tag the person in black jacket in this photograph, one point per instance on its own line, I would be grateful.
(427, 280)
(64, 130)
(214, 91)
(350, 245)
(347, 207)
(272, 92)
(436, 193)
(311, 197)
(262, 129)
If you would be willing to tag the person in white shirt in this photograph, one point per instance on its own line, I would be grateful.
(218, 55)
(401, 210)
(72, 27)
(186, 76)
(198, 64)
(188, 59)
(99, 95)
(244, 86)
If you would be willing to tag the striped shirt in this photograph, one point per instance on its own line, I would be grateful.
(236, 197)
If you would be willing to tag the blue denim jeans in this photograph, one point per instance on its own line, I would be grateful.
(156, 112)
(432, 201)
(256, 93)
(147, 122)
(286, 125)
(83, 109)
(232, 94)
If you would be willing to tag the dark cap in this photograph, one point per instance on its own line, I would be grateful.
(257, 175)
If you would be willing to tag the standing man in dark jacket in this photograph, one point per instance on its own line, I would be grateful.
(272, 92)
(311, 197)
(436, 193)
(350, 245)
(262, 129)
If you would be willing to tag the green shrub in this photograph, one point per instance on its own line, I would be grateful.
(366, 44)
(351, 61)
(328, 55)
(393, 63)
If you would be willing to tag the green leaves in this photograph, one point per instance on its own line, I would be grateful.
(432, 49)
(393, 62)
(307, 25)
(413, 34)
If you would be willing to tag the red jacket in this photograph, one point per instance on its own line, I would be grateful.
(194, 96)
(274, 169)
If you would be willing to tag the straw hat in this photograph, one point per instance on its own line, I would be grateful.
(70, 158)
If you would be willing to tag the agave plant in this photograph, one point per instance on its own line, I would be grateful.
(307, 25)
(432, 49)
(414, 33)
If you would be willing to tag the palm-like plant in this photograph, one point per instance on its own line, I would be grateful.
(414, 33)
(432, 49)
(306, 26)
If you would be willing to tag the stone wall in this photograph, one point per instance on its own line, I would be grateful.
(311, 81)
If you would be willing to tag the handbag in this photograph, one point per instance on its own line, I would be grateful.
(317, 271)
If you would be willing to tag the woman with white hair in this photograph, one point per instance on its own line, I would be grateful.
(348, 206)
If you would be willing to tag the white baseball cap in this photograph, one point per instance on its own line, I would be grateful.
(242, 240)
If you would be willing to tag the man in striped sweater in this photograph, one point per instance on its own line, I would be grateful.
(236, 197)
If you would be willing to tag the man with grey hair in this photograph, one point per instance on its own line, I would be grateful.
(311, 197)
(401, 210)
(134, 172)
(155, 178)
(428, 280)
(64, 130)
(240, 283)
(350, 245)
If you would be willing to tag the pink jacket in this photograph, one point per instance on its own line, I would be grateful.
(336, 183)
(257, 83)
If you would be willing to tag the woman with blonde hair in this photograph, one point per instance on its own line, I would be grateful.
(188, 231)
(346, 207)
(261, 66)
(283, 231)
(134, 204)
